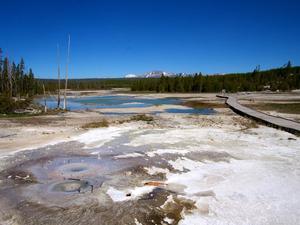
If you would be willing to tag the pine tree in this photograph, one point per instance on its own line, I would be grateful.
(30, 82)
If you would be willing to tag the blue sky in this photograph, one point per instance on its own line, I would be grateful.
(112, 38)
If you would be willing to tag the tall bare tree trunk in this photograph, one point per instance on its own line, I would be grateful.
(45, 101)
(10, 80)
(1, 73)
(67, 70)
(58, 77)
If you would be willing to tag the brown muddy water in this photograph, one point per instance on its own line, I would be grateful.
(55, 185)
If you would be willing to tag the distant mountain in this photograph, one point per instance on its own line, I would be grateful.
(157, 74)
(131, 76)
(152, 74)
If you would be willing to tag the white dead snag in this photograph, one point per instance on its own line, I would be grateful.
(45, 101)
(67, 70)
(10, 79)
(58, 77)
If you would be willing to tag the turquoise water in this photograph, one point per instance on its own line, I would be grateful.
(121, 101)
(109, 101)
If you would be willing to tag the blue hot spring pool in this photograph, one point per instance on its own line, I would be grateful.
(121, 101)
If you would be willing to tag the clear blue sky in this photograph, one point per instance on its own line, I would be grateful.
(112, 38)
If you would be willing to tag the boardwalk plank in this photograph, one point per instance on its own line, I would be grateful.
(277, 122)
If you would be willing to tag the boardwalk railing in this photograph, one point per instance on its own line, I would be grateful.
(273, 121)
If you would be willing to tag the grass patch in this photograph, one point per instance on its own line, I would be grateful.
(204, 105)
(15, 115)
(245, 123)
(142, 117)
(248, 124)
(290, 108)
(34, 115)
(102, 123)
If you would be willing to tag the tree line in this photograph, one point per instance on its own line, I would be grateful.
(88, 84)
(284, 79)
(17, 85)
(14, 80)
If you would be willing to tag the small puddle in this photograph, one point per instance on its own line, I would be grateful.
(72, 186)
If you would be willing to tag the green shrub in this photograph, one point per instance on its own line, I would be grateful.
(102, 123)
(9, 105)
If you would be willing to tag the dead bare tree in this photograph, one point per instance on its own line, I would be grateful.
(67, 70)
(45, 101)
(9, 72)
(58, 77)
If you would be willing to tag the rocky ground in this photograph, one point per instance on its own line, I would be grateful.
(160, 169)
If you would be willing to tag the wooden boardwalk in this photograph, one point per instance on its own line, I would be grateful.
(273, 121)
